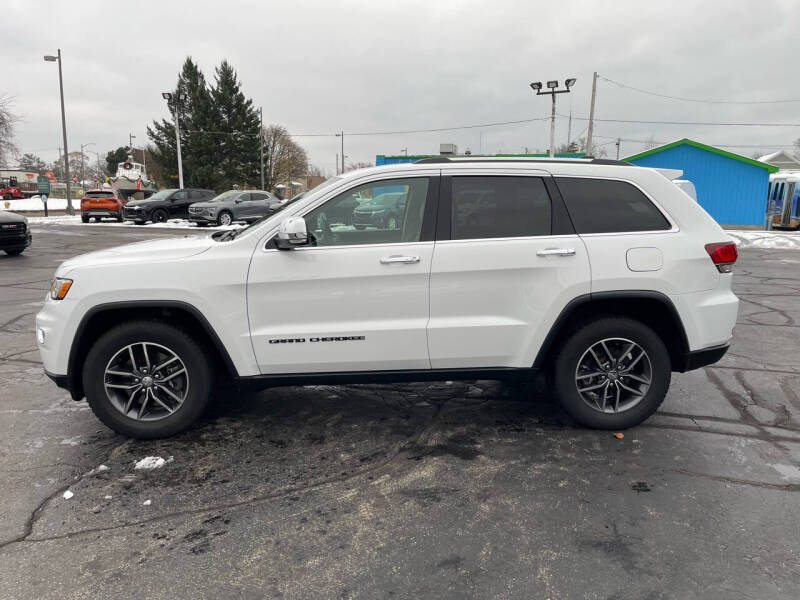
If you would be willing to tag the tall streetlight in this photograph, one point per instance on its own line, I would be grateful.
(552, 91)
(82, 147)
(57, 58)
(341, 135)
(167, 96)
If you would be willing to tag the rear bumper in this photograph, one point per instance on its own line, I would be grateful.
(707, 356)
(101, 212)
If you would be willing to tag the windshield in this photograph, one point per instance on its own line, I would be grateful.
(229, 195)
(383, 199)
(232, 233)
(161, 195)
(99, 194)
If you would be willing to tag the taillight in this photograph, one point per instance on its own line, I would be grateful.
(723, 254)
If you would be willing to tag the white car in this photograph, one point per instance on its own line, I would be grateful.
(604, 274)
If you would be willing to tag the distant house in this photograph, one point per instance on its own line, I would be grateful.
(781, 159)
(732, 188)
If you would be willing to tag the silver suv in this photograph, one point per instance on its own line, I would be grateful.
(234, 205)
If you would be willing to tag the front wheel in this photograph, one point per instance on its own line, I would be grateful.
(225, 218)
(612, 373)
(160, 216)
(147, 379)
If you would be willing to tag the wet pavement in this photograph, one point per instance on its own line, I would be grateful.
(451, 490)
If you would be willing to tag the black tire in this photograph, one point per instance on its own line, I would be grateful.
(201, 224)
(140, 222)
(119, 218)
(7, 197)
(220, 218)
(360, 227)
(15, 251)
(579, 343)
(84, 218)
(159, 216)
(190, 352)
(97, 219)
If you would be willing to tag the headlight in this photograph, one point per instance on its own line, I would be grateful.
(59, 288)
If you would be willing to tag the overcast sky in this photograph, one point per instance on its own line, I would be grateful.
(321, 67)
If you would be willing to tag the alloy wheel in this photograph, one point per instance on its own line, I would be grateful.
(225, 219)
(146, 381)
(613, 375)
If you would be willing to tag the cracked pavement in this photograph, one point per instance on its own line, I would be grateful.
(447, 490)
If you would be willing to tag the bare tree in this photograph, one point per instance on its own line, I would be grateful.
(357, 165)
(283, 157)
(597, 151)
(315, 171)
(650, 142)
(8, 149)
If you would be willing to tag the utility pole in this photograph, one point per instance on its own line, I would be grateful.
(619, 140)
(70, 210)
(130, 144)
(83, 177)
(569, 127)
(552, 91)
(591, 116)
(261, 139)
(337, 163)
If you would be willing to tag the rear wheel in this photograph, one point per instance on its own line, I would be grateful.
(159, 216)
(119, 218)
(97, 219)
(84, 218)
(147, 379)
(612, 373)
(15, 251)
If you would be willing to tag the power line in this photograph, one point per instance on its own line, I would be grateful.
(704, 123)
(607, 137)
(630, 87)
(432, 130)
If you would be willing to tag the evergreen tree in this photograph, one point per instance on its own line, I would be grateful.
(192, 102)
(31, 162)
(238, 122)
(114, 157)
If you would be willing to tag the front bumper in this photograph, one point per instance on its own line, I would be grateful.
(202, 218)
(135, 215)
(8, 242)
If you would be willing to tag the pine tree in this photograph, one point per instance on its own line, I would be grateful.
(192, 101)
(238, 123)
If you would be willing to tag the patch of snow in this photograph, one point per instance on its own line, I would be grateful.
(151, 462)
(171, 224)
(67, 495)
(146, 503)
(73, 441)
(35, 203)
(102, 468)
(107, 497)
(782, 240)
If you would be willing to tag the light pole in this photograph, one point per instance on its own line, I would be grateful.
(82, 147)
(57, 58)
(341, 135)
(552, 91)
(167, 96)
(261, 140)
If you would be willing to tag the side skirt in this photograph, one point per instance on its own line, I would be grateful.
(398, 376)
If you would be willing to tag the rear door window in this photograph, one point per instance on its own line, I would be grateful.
(609, 206)
(499, 207)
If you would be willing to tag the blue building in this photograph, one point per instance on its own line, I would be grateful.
(732, 188)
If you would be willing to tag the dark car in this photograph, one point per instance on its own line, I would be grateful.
(234, 205)
(14, 233)
(164, 205)
(384, 211)
(98, 204)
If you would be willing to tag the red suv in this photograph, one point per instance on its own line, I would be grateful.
(102, 203)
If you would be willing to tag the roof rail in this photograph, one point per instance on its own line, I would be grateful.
(588, 161)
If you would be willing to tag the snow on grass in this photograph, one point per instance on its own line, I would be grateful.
(151, 462)
(146, 503)
(783, 240)
(35, 203)
(67, 495)
(102, 468)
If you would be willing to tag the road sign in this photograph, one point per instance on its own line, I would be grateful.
(43, 184)
(74, 179)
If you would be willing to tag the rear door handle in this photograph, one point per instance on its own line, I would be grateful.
(395, 259)
(556, 252)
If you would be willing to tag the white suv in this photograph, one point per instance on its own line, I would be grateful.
(603, 273)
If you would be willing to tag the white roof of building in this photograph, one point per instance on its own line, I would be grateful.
(781, 159)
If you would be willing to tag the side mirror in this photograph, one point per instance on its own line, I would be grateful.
(292, 233)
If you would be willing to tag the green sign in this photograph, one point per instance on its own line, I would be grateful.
(43, 183)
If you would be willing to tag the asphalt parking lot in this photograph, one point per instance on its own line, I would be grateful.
(452, 490)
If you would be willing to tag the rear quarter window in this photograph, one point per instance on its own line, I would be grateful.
(609, 206)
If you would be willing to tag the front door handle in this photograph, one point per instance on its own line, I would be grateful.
(395, 259)
(556, 252)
